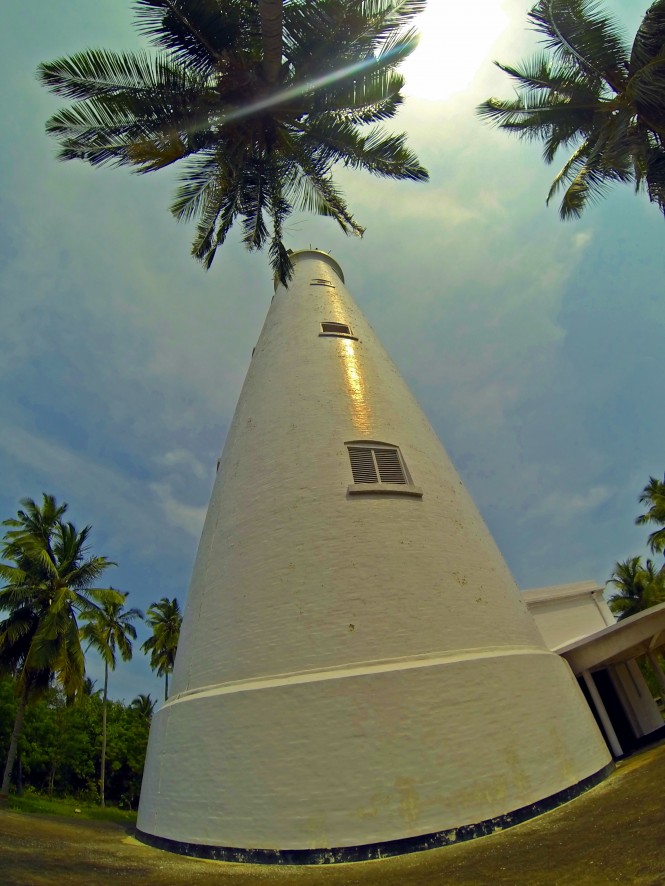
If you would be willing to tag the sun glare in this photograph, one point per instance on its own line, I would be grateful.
(455, 40)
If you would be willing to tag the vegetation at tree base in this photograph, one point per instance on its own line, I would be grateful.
(640, 586)
(165, 619)
(108, 630)
(48, 584)
(31, 801)
(60, 745)
(259, 100)
(589, 90)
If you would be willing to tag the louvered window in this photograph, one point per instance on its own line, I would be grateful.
(376, 464)
(363, 465)
(389, 465)
(379, 468)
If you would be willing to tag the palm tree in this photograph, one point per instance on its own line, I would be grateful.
(144, 706)
(639, 587)
(165, 620)
(259, 100)
(110, 630)
(653, 495)
(47, 583)
(593, 93)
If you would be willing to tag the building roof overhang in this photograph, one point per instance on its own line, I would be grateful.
(625, 640)
(561, 592)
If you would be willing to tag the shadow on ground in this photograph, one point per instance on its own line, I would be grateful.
(613, 834)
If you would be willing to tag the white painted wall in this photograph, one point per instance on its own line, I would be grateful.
(566, 613)
(352, 669)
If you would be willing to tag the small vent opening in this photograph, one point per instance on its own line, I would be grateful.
(319, 281)
(336, 329)
(377, 464)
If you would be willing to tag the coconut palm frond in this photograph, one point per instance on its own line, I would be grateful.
(638, 587)
(214, 100)
(653, 495)
(539, 73)
(132, 78)
(588, 185)
(646, 68)
(381, 153)
(585, 94)
(199, 176)
(649, 39)
(654, 175)
(366, 99)
(201, 34)
(581, 33)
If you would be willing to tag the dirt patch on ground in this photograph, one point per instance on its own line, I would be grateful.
(613, 834)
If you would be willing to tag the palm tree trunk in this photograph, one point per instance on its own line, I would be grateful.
(166, 685)
(13, 743)
(19, 774)
(271, 15)
(51, 777)
(102, 768)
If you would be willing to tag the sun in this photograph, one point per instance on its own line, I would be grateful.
(455, 41)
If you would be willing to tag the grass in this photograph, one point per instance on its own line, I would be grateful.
(613, 834)
(37, 803)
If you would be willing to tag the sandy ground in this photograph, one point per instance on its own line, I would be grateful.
(613, 834)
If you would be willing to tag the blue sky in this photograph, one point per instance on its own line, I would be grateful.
(531, 344)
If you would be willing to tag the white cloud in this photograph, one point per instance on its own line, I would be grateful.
(563, 506)
(582, 240)
(187, 517)
(183, 458)
(127, 509)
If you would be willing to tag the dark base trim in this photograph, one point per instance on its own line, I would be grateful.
(370, 851)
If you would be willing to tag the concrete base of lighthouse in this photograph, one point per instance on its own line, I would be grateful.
(366, 769)
(373, 851)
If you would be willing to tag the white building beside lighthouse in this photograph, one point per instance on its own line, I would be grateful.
(358, 674)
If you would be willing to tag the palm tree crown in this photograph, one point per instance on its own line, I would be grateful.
(639, 587)
(653, 495)
(592, 92)
(109, 630)
(165, 619)
(143, 705)
(259, 100)
(47, 586)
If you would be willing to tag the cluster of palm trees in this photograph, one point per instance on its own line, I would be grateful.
(641, 585)
(54, 611)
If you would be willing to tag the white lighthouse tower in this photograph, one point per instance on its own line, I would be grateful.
(357, 674)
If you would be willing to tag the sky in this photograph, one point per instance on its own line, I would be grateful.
(533, 345)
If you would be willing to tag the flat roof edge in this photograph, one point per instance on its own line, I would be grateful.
(557, 592)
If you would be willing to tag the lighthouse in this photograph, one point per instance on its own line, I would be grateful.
(358, 674)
